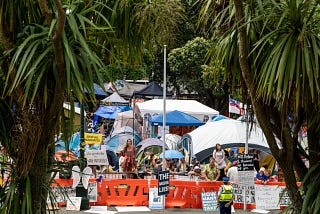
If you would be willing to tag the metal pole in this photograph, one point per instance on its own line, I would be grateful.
(164, 112)
(80, 190)
(246, 152)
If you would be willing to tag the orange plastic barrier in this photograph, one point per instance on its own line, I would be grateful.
(181, 194)
(135, 192)
(129, 192)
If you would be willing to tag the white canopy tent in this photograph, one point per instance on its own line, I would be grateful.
(191, 107)
(228, 133)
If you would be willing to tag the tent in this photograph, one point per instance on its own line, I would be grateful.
(228, 133)
(115, 99)
(172, 140)
(191, 107)
(110, 111)
(118, 141)
(175, 118)
(126, 119)
(153, 89)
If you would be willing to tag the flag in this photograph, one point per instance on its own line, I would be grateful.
(235, 106)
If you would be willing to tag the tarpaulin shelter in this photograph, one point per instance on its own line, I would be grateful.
(175, 118)
(228, 133)
(153, 89)
(191, 107)
(110, 111)
(115, 99)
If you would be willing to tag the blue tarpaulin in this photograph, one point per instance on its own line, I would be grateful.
(176, 118)
(111, 111)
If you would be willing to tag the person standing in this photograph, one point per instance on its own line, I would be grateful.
(129, 152)
(256, 159)
(232, 172)
(219, 156)
(225, 197)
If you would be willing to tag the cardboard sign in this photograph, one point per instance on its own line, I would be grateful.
(74, 203)
(163, 182)
(209, 201)
(96, 157)
(267, 197)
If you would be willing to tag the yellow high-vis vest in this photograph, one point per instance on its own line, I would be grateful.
(226, 193)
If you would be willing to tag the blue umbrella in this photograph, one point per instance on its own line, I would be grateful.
(172, 154)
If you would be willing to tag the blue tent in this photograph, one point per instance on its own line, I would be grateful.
(111, 111)
(176, 118)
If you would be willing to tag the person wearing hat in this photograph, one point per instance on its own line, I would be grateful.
(197, 173)
(225, 197)
(261, 176)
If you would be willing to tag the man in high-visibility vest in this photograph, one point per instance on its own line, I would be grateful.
(225, 197)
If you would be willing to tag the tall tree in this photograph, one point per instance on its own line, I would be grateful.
(274, 45)
(51, 51)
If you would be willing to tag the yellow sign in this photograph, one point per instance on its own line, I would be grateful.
(91, 138)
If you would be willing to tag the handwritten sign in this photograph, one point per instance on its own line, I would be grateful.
(96, 157)
(245, 162)
(92, 138)
(209, 201)
(163, 182)
(267, 197)
(239, 193)
(246, 177)
(74, 203)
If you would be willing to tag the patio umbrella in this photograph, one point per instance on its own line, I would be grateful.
(172, 154)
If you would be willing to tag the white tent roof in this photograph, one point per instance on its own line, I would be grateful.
(228, 133)
(115, 98)
(191, 107)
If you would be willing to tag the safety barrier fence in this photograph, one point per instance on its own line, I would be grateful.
(117, 191)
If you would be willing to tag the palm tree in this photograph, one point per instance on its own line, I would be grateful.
(277, 44)
(46, 56)
(50, 51)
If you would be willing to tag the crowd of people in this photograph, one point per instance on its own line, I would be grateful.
(222, 163)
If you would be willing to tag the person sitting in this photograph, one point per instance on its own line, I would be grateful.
(261, 176)
(211, 173)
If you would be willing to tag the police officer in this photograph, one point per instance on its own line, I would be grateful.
(225, 197)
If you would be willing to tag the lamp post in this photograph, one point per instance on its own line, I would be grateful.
(80, 190)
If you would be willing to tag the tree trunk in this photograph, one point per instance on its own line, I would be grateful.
(38, 178)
